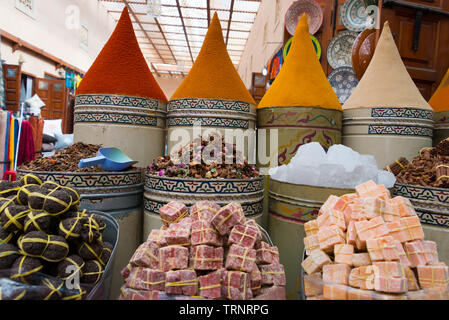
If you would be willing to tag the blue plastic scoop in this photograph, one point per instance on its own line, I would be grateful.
(109, 159)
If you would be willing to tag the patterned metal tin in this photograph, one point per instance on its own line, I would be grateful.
(299, 203)
(313, 11)
(215, 114)
(300, 125)
(343, 80)
(431, 204)
(101, 108)
(290, 206)
(339, 51)
(90, 180)
(388, 133)
(353, 15)
(161, 190)
(124, 122)
(211, 113)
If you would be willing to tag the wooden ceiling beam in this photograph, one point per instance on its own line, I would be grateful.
(185, 30)
(229, 21)
(130, 9)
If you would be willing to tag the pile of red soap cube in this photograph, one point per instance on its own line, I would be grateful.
(211, 252)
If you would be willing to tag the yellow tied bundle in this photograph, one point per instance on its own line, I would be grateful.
(89, 248)
(78, 267)
(98, 273)
(49, 197)
(7, 239)
(33, 217)
(14, 221)
(92, 225)
(70, 232)
(30, 179)
(9, 192)
(22, 274)
(24, 239)
(52, 288)
(75, 193)
(24, 190)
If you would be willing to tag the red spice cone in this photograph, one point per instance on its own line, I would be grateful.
(121, 68)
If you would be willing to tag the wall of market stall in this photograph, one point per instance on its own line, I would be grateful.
(267, 35)
(54, 28)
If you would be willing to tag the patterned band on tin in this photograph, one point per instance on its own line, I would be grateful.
(402, 113)
(208, 122)
(203, 186)
(300, 117)
(404, 130)
(91, 179)
(115, 118)
(431, 204)
(108, 100)
(208, 104)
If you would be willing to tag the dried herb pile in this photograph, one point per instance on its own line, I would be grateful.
(429, 168)
(197, 168)
(65, 160)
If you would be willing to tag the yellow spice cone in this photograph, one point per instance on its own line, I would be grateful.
(213, 75)
(440, 99)
(386, 82)
(301, 81)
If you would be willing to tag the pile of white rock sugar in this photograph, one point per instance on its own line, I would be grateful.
(341, 167)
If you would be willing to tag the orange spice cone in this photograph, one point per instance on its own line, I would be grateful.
(300, 104)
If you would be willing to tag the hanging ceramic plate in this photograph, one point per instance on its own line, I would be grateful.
(316, 45)
(339, 51)
(313, 11)
(343, 80)
(353, 15)
(362, 51)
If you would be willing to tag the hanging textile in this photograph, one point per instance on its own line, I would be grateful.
(3, 141)
(26, 144)
(2, 84)
(37, 126)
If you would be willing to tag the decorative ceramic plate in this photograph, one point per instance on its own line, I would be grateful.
(343, 80)
(353, 15)
(339, 52)
(362, 51)
(316, 45)
(313, 11)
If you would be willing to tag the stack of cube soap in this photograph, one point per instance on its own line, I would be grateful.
(367, 245)
(212, 253)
